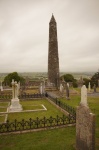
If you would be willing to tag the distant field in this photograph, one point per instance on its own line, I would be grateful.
(39, 75)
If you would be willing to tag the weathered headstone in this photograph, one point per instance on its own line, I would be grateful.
(84, 95)
(98, 83)
(89, 87)
(85, 124)
(1, 86)
(61, 89)
(41, 89)
(67, 92)
(94, 87)
(68, 85)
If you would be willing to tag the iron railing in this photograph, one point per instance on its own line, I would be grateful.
(30, 96)
(36, 123)
(22, 96)
(5, 96)
(64, 106)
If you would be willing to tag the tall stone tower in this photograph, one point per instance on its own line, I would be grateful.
(53, 59)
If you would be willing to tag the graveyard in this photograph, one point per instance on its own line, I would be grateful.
(38, 109)
(49, 83)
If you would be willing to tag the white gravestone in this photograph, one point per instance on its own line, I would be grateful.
(1, 86)
(15, 104)
(89, 87)
(67, 91)
(84, 95)
(61, 88)
(68, 85)
(41, 89)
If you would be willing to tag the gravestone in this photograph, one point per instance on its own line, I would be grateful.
(15, 104)
(98, 83)
(94, 87)
(42, 88)
(67, 92)
(85, 124)
(89, 87)
(1, 86)
(68, 85)
(61, 89)
(84, 95)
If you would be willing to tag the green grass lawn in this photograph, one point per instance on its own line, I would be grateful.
(3, 109)
(5, 104)
(93, 103)
(27, 106)
(56, 139)
(51, 111)
(2, 118)
(74, 100)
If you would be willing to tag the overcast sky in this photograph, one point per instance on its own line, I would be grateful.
(24, 32)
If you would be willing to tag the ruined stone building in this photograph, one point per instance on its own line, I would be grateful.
(53, 59)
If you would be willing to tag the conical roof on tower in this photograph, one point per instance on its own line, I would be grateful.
(52, 19)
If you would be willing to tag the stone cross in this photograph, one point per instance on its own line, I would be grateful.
(84, 95)
(15, 89)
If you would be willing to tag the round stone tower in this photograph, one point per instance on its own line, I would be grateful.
(53, 59)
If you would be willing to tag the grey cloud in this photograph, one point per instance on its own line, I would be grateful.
(24, 27)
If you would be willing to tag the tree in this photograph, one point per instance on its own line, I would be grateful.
(94, 79)
(15, 76)
(86, 81)
(70, 78)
